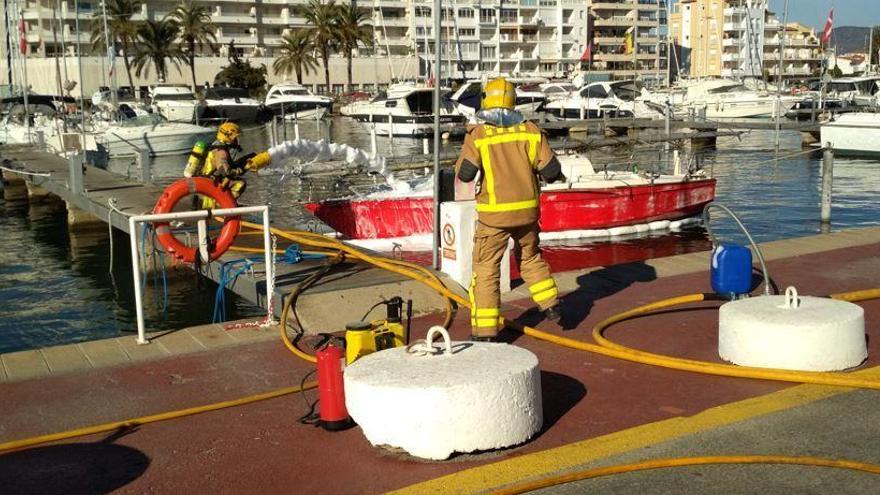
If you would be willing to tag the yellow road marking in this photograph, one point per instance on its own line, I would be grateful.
(539, 464)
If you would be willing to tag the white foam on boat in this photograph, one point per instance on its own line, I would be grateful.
(424, 242)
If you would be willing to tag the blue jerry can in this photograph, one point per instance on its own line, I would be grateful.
(731, 269)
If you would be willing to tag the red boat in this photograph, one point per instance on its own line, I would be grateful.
(589, 202)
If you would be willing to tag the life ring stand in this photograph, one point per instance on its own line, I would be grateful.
(179, 190)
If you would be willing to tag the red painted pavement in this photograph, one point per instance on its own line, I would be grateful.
(262, 448)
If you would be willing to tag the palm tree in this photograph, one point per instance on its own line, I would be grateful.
(297, 55)
(156, 45)
(323, 30)
(353, 31)
(196, 30)
(121, 29)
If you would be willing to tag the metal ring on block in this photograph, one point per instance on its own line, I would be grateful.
(791, 298)
(429, 340)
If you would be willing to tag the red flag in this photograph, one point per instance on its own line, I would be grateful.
(22, 38)
(826, 36)
(588, 53)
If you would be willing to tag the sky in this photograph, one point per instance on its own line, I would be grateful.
(814, 12)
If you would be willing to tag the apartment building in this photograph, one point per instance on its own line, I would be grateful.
(741, 38)
(521, 37)
(612, 19)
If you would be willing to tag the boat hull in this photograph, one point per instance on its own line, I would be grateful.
(156, 142)
(856, 138)
(407, 125)
(561, 210)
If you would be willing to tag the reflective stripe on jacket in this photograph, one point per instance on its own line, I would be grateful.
(508, 157)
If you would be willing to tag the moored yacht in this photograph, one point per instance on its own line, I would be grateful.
(230, 104)
(176, 103)
(295, 101)
(719, 98)
(602, 99)
(133, 129)
(403, 110)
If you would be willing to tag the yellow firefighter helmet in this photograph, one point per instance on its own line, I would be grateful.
(228, 133)
(498, 93)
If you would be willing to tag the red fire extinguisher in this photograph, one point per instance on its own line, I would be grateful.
(331, 390)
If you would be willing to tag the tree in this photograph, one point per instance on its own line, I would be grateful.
(240, 74)
(196, 31)
(835, 71)
(121, 29)
(297, 55)
(353, 31)
(156, 46)
(323, 20)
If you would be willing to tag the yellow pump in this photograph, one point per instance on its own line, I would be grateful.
(363, 337)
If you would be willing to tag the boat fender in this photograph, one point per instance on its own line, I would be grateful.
(205, 187)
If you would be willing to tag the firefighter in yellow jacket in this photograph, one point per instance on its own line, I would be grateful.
(218, 162)
(508, 154)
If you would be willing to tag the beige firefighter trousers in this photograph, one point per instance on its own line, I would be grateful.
(485, 292)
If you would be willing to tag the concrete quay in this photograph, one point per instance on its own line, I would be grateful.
(598, 410)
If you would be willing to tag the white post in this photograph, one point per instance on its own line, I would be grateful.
(391, 129)
(295, 125)
(827, 180)
(136, 271)
(676, 163)
(270, 268)
(374, 145)
(425, 147)
(203, 241)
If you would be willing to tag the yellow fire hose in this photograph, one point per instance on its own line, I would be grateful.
(685, 461)
(128, 423)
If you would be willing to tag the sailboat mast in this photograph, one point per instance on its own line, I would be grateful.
(82, 87)
(781, 62)
(435, 252)
(8, 42)
(110, 58)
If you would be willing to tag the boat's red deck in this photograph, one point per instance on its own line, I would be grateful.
(262, 448)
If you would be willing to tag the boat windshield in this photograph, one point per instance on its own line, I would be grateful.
(627, 91)
(174, 97)
(224, 93)
(139, 120)
(295, 92)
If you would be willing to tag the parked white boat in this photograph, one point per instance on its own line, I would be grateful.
(601, 99)
(230, 104)
(719, 98)
(403, 110)
(853, 133)
(295, 101)
(136, 129)
(176, 103)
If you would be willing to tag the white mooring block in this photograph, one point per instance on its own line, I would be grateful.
(787, 332)
(480, 396)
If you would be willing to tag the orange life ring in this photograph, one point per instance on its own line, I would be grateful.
(185, 187)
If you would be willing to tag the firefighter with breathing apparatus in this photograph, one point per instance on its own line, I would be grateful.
(508, 154)
(218, 162)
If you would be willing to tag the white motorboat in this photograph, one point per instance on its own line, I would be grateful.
(719, 98)
(860, 90)
(403, 110)
(176, 103)
(231, 104)
(602, 99)
(295, 101)
(856, 133)
(529, 97)
(136, 129)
